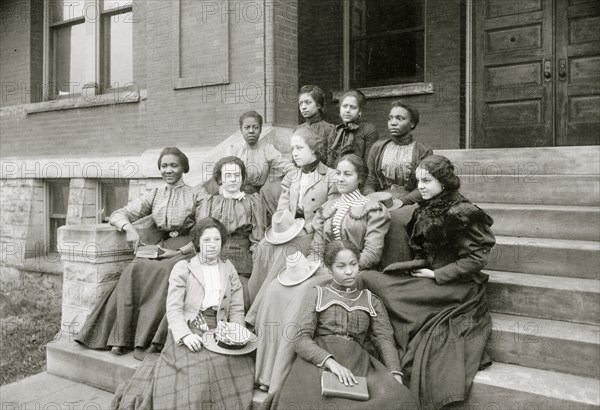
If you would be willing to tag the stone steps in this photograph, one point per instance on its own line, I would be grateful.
(542, 256)
(501, 386)
(511, 387)
(546, 344)
(545, 221)
(577, 190)
(546, 297)
(97, 368)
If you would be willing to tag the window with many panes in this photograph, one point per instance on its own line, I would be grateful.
(58, 203)
(114, 194)
(90, 46)
(387, 42)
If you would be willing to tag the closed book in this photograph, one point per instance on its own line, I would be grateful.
(406, 266)
(148, 251)
(332, 387)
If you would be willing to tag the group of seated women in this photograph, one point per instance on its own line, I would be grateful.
(359, 260)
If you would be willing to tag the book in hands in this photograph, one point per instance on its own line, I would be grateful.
(332, 387)
(148, 251)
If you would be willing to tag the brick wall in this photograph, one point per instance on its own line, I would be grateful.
(320, 58)
(15, 67)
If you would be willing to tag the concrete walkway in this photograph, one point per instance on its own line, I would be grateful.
(47, 392)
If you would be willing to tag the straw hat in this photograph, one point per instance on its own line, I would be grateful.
(284, 227)
(233, 331)
(297, 269)
(386, 199)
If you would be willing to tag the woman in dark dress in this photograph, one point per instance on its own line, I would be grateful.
(333, 325)
(392, 163)
(128, 315)
(439, 312)
(352, 136)
(311, 103)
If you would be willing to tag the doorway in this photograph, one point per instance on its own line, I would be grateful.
(536, 73)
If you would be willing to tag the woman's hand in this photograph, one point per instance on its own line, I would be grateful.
(166, 253)
(193, 342)
(423, 273)
(132, 235)
(398, 378)
(344, 375)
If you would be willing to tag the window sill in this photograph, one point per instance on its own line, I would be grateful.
(400, 90)
(70, 103)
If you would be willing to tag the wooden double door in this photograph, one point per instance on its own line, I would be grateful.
(536, 73)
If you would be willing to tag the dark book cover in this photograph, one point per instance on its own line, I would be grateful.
(331, 387)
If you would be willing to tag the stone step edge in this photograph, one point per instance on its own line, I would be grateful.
(546, 383)
(540, 207)
(549, 242)
(499, 375)
(544, 281)
(546, 328)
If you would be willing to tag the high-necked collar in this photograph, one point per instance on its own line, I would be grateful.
(346, 291)
(315, 118)
(403, 140)
(308, 168)
(351, 197)
(239, 196)
(178, 184)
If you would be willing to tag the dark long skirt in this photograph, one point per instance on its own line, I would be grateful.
(181, 379)
(440, 331)
(302, 388)
(396, 247)
(130, 314)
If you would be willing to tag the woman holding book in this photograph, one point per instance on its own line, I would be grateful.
(334, 324)
(437, 303)
(128, 315)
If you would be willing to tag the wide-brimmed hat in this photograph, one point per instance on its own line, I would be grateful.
(284, 227)
(386, 199)
(297, 269)
(209, 340)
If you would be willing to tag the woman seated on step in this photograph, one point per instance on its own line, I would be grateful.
(242, 214)
(333, 326)
(265, 165)
(304, 189)
(352, 136)
(205, 362)
(354, 217)
(392, 163)
(437, 302)
(128, 315)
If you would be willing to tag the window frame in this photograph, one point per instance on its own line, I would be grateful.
(98, 68)
(52, 247)
(384, 90)
(99, 200)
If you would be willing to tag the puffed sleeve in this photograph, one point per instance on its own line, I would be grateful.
(175, 300)
(257, 219)
(382, 336)
(305, 344)
(378, 224)
(371, 137)
(203, 203)
(372, 183)
(286, 183)
(134, 210)
(474, 245)
(236, 300)
(317, 245)
(277, 164)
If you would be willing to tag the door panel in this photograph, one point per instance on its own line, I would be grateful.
(513, 55)
(578, 68)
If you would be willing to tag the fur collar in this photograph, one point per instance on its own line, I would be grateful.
(436, 222)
